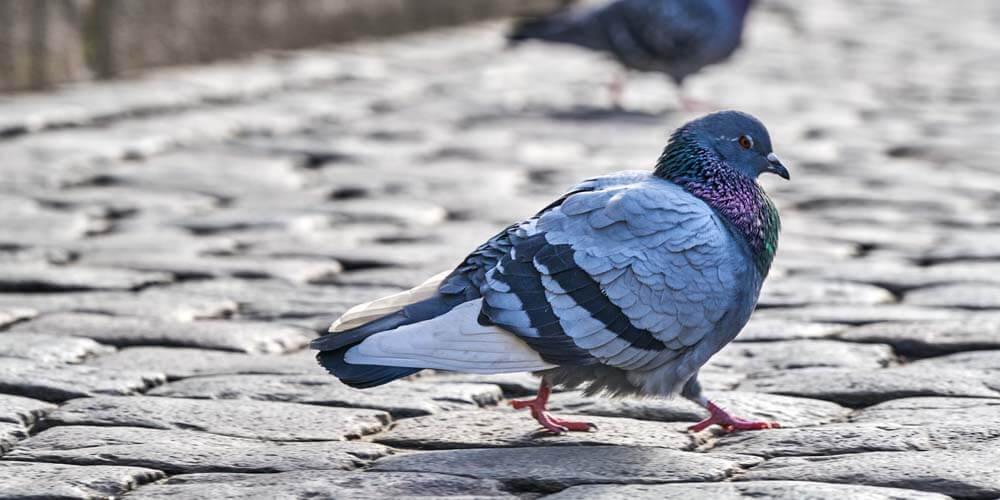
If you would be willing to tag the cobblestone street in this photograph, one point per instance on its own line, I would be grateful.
(171, 243)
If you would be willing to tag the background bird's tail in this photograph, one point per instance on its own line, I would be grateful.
(570, 27)
(544, 28)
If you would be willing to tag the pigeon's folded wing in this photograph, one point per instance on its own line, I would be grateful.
(630, 275)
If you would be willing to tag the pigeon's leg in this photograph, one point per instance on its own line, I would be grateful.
(616, 89)
(729, 423)
(691, 105)
(541, 413)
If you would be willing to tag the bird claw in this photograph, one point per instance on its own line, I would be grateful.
(730, 423)
(548, 422)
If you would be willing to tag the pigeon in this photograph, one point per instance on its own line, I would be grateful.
(625, 285)
(676, 37)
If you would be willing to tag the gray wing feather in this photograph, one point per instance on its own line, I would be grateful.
(659, 254)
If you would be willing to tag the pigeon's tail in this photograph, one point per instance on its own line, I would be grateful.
(360, 376)
(528, 29)
(562, 27)
(363, 321)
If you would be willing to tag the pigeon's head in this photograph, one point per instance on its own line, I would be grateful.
(740, 140)
(737, 140)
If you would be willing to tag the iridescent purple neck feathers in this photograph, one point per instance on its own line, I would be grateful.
(736, 197)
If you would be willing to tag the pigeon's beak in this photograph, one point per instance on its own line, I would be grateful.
(775, 167)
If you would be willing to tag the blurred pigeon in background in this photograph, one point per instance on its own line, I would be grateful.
(627, 284)
(676, 37)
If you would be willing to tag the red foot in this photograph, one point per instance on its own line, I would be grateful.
(541, 414)
(728, 422)
(692, 105)
(616, 89)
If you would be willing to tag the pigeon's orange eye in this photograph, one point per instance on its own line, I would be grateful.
(746, 142)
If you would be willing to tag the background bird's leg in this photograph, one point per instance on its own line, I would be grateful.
(729, 423)
(616, 89)
(539, 410)
(689, 104)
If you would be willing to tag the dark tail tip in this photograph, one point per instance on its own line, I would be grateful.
(527, 29)
(360, 376)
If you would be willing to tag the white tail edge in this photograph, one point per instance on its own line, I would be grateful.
(370, 311)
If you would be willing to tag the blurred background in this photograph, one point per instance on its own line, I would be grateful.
(190, 191)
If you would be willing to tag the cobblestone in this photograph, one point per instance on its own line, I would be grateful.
(321, 484)
(171, 243)
(268, 421)
(403, 399)
(782, 490)
(176, 451)
(475, 429)
(593, 464)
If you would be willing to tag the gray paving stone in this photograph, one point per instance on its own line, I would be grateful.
(510, 428)
(180, 452)
(144, 235)
(22, 410)
(931, 338)
(49, 348)
(400, 399)
(860, 314)
(202, 267)
(380, 244)
(842, 439)
(791, 292)
(9, 316)
(403, 212)
(36, 255)
(965, 296)
(242, 336)
(35, 225)
(859, 388)
(768, 329)
(233, 174)
(10, 434)
(719, 380)
(962, 474)
(58, 383)
(778, 490)
(964, 247)
(932, 411)
(178, 362)
(153, 302)
(975, 360)
(39, 480)
(546, 468)
(907, 278)
(512, 384)
(44, 278)
(789, 411)
(750, 357)
(273, 299)
(118, 199)
(270, 421)
(245, 221)
(385, 276)
(320, 484)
